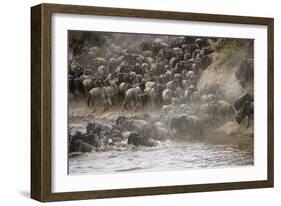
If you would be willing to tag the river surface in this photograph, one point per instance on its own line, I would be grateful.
(166, 156)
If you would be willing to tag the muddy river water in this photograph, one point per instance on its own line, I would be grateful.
(166, 156)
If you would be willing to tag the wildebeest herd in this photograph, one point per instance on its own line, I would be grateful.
(150, 73)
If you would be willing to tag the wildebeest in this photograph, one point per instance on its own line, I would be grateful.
(167, 96)
(78, 143)
(186, 126)
(75, 86)
(133, 96)
(138, 140)
(153, 92)
(123, 87)
(128, 124)
(242, 99)
(155, 131)
(103, 94)
(90, 83)
(247, 110)
(147, 53)
(224, 110)
(245, 72)
(79, 146)
(190, 94)
(244, 107)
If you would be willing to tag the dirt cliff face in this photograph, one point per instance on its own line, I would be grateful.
(231, 69)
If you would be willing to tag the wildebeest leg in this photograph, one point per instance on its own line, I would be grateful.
(133, 104)
(107, 103)
(89, 101)
(104, 106)
(136, 106)
(232, 116)
(124, 105)
(93, 102)
(86, 94)
(140, 104)
(248, 123)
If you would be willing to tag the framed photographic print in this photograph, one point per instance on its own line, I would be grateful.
(130, 102)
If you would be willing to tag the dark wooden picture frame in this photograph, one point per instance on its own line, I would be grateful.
(41, 101)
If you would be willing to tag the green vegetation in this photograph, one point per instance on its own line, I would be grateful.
(233, 51)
